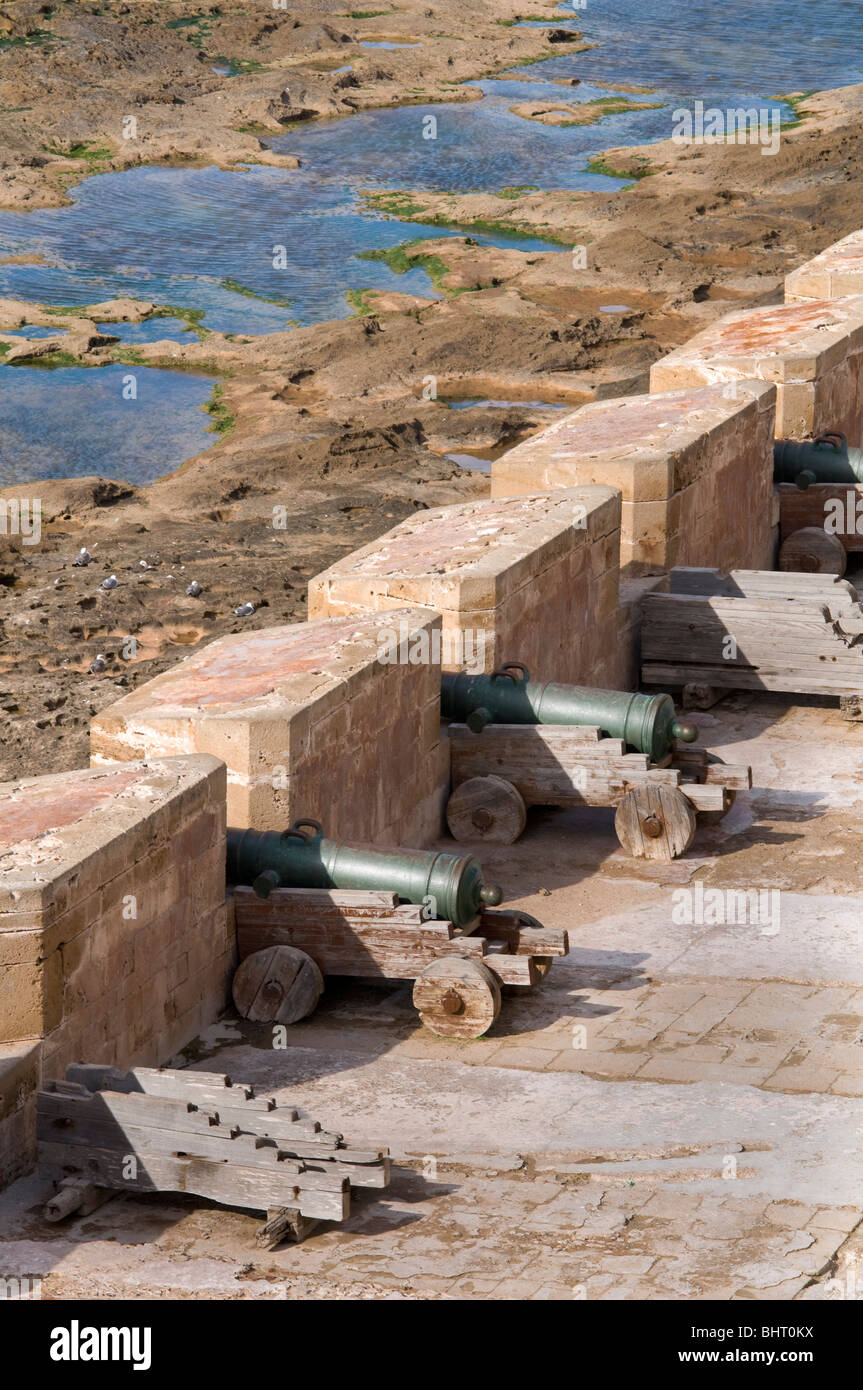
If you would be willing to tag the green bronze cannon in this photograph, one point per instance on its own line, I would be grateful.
(826, 459)
(449, 885)
(647, 723)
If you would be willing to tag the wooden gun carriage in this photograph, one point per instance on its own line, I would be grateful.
(293, 938)
(498, 773)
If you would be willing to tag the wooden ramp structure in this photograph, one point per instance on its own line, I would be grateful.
(754, 630)
(101, 1131)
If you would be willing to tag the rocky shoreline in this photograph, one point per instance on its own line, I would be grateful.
(88, 88)
(327, 435)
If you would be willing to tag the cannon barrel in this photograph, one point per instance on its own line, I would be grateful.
(450, 885)
(826, 459)
(647, 723)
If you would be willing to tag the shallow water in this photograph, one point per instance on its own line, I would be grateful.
(68, 422)
(175, 235)
(34, 330)
(215, 226)
(708, 50)
(151, 331)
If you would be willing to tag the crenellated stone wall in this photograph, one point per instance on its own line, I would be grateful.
(694, 468)
(812, 351)
(834, 274)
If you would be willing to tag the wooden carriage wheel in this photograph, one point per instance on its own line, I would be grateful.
(277, 985)
(813, 551)
(488, 809)
(456, 997)
(655, 822)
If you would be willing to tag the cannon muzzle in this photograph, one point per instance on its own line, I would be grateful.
(826, 459)
(449, 885)
(647, 723)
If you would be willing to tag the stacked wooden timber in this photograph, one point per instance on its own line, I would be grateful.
(754, 630)
(150, 1130)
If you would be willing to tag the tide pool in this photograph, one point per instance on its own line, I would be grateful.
(68, 422)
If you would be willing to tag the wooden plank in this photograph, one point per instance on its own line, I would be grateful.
(358, 1174)
(101, 1131)
(168, 1113)
(290, 1135)
(179, 1084)
(547, 768)
(686, 758)
(711, 583)
(794, 646)
(371, 949)
(739, 678)
(247, 1151)
(313, 904)
(512, 969)
(375, 899)
(799, 508)
(736, 776)
(565, 739)
(705, 797)
(524, 939)
(575, 733)
(272, 1124)
(283, 905)
(229, 1184)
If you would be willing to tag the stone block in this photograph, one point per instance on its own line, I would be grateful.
(91, 909)
(512, 580)
(836, 273)
(690, 465)
(312, 719)
(812, 351)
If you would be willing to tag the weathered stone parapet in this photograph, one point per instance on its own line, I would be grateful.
(20, 1079)
(812, 351)
(309, 720)
(834, 274)
(694, 468)
(114, 943)
(534, 579)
